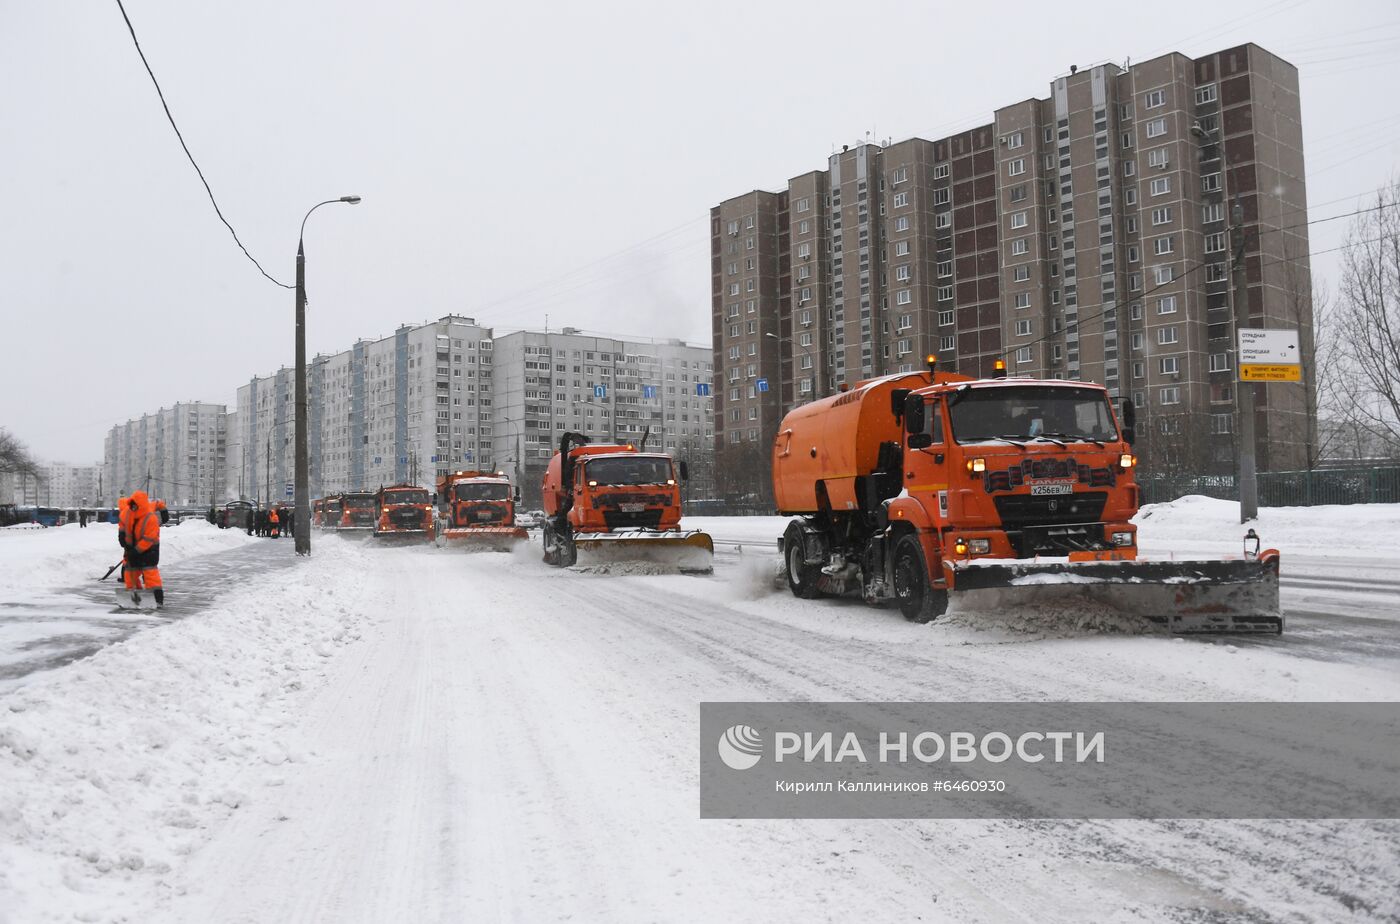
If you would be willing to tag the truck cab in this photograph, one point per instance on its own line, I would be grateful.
(403, 510)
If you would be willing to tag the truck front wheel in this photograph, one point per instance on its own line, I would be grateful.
(802, 577)
(917, 600)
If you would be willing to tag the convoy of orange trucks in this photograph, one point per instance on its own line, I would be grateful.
(609, 503)
(919, 488)
(477, 510)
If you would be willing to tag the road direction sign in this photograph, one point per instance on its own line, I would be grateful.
(1269, 355)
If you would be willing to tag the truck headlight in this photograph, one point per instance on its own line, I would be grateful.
(1123, 538)
(979, 546)
(976, 465)
(1127, 460)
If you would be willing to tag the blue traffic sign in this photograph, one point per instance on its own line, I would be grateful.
(761, 384)
(467, 456)
(600, 391)
(648, 391)
(289, 489)
(702, 389)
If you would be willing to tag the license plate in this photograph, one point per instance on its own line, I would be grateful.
(631, 508)
(1052, 489)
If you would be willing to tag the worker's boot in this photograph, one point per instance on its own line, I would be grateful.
(136, 597)
(160, 596)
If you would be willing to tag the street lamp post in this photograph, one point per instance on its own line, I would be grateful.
(302, 519)
(1239, 298)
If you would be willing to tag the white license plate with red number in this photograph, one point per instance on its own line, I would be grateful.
(632, 508)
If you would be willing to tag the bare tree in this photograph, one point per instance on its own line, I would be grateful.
(14, 456)
(1368, 316)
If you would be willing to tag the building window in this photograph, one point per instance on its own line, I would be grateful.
(1129, 168)
(1018, 219)
(1171, 395)
(1139, 370)
(1215, 272)
(940, 171)
(1221, 423)
(1162, 216)
(945, 318)
(1215, 243)
(906, 321)
(1210, 183)
(803, 204)
(1016, 167)
(901, 223)
(1019, 246)
(1220, 362)
(1215, 211)
(1023, 355)
(1133, 254)
(1161, 185)
(901, 248)
(1015, 140)
(904, 297)
(1130, 196)
(1158, 157)
(944, 268)
(1169, 365)
(946, 343)
(1162, 275)
(1023, 299)
(1205, 94)
(941, 196)
(1023, 328)
(899, 176)
(943, 219)
(1160, 245)
(945, 293)
(1127, 140)
(1166, 335)
(1156, 128)
(1136, 341)
(1018, 193)
(1154, 99)
(904, 272)
(901, 199)
(1054, 296)
(1021, 273)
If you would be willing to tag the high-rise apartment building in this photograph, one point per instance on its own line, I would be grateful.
(551, 383)
(176, 454)
(1082, 236)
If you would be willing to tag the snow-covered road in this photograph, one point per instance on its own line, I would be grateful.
(508, 741)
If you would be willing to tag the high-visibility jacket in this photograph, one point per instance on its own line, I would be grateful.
(140, 523)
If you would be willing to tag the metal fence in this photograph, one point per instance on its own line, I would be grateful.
(1362, 485)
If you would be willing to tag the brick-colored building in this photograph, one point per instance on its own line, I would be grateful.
(1080, 236)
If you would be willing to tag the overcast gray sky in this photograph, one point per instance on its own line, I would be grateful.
(515, 160)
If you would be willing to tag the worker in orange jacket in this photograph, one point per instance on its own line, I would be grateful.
(273, 522)
(138, 531)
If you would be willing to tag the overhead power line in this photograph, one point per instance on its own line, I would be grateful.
(186, 147)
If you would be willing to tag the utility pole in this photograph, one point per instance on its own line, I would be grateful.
(1244, 391)
(267, 474)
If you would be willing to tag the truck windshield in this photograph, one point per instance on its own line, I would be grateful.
(628, 470)
(405, 497)
(1031, 411)
(359, 501)
(482, 492)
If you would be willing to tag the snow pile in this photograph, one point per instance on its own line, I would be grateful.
(115, 768)
(1199, 525)
(68, 555)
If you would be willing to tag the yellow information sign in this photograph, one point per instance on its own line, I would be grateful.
(1271, 372)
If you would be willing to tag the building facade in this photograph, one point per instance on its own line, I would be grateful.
(1085, 235)
(651, 393)
(177, 454)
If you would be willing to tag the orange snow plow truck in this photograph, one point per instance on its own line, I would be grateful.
(609, 504)
(996, 494)
(477, 510)
(403, 512)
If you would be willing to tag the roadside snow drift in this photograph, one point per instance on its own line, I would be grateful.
(114, 768)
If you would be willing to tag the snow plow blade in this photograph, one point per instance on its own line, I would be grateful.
(486, 538)
(691, 552)
(403, 537)
(1225, 596)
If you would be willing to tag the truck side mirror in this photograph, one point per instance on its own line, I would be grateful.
(1129, 415)
(897, 399)
(516, 495)
(920, 440)
(913, 414)
(685, 471)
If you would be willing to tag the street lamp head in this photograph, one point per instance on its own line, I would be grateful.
(1199, 131)
(353, 200)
